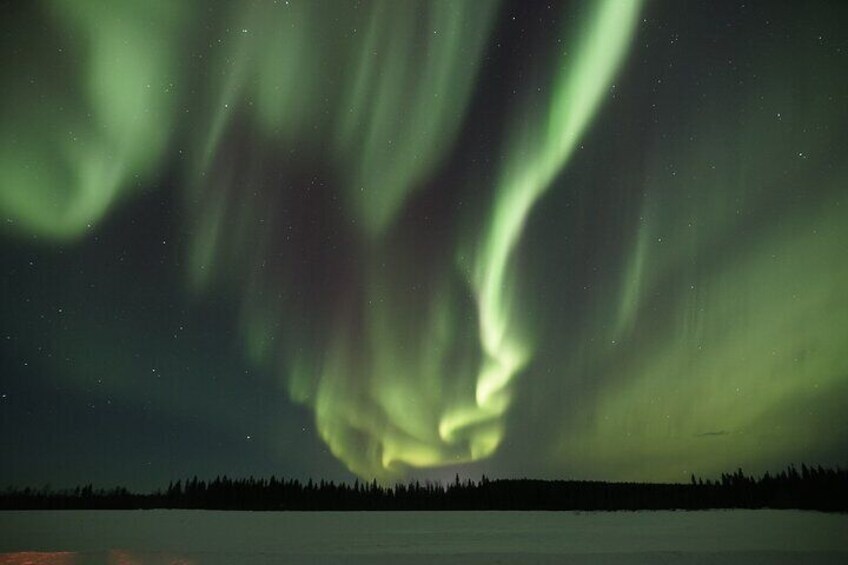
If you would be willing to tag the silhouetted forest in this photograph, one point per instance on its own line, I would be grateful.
(812, 488)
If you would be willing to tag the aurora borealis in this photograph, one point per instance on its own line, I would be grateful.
(596, 239)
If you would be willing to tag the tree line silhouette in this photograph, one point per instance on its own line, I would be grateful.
(811, 488)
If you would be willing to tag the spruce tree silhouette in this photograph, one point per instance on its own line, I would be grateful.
(814, 488)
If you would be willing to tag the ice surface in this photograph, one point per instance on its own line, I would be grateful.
(206, 537)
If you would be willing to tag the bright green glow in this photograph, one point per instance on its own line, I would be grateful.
(722, 343)
(384, 93)
(379, 91)
(714, 330)
(69, 157)
(394, 424)
(414, 366)
(536, 160)
(381, 98)
(399, 116)
(729, 359)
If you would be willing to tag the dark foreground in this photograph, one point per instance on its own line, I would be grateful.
(204, 537)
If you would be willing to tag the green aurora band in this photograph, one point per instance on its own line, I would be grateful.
(307, 132)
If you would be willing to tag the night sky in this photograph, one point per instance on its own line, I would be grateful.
(602, 240)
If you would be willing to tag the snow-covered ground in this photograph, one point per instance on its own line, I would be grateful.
(203, 537)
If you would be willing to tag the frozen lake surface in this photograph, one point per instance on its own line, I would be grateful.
(205, 537)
